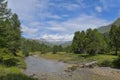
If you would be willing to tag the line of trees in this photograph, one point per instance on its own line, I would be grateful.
(93, 42)
(28, 45)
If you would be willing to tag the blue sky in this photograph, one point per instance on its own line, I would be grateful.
(59, 19)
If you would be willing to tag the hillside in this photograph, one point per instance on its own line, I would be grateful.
(105, 29)
(52, 43)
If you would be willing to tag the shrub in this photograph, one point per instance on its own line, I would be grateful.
(116, 62)
(7, 58)
(16, 77)
(106, 63)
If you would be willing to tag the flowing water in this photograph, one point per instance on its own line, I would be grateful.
(40, 65)
(45, 69)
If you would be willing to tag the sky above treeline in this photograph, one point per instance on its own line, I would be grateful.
(59, 19)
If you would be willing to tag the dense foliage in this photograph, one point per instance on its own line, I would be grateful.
(10, 31)
(115, 38)
(28, 45)
(57, 49)
(91, 42)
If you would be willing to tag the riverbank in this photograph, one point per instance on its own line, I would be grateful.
(46, 72)
(13, 73)
(13, 67)
(102, 60)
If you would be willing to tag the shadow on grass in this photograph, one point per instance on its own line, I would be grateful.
(11, 62)
(85, 56)
(16, 77)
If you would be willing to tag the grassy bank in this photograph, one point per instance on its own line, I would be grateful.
(11, 68)
(12, 73)
(102, 60)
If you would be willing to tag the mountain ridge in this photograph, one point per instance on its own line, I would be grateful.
(105, 29)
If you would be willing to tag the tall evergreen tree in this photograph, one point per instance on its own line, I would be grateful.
(4, 11)
(75, 43)
(95, 42)
(78, 42)
(10, 32)
(115, 37)
(15, 41)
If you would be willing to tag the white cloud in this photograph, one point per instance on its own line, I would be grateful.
(28, 12)
(70, 6)
(35, 24)
(54, 16)
(82, 22)
(107, 4)
(23, 8)
(98, 9)
(57, 37)
(28, 30)
(67, 28)
(49, 15)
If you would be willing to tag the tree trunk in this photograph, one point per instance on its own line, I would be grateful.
(14, 54)
(116, 51)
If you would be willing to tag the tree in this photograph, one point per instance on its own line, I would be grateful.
(68, 49)
(78, 42)
(115, 37)
(15, 41)
(4, 12)
(10, 31)
(95, 42)
(55, 49)
(92, 42)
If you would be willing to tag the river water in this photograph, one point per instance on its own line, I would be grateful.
(45, 69)
(40, 65)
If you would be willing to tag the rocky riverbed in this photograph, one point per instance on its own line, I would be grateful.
(53, 70)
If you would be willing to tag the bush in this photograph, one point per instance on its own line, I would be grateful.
(106, 63)
(116, 62)
(12, 73)
(16, 77)
(7, 58)
(25, 52)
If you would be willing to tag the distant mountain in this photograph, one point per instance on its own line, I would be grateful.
(52, 43)
(106, 29)
(67, 43)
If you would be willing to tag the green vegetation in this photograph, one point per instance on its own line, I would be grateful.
(91, 42)
(57, 49)
(115, 38)
(68, 57)
(116, 62)
(12, 73)
(11, 61)
(33, 46)
(90, 45)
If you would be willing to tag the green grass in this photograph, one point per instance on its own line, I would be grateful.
(59, 56)
(67, 57)
(12, 73)
(21, 64)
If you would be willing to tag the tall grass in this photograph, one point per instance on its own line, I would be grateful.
(12, 73)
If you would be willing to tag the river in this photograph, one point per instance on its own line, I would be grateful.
(40, 65)
(45, 69)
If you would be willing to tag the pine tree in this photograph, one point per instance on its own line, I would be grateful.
(115, 37)
(4, 12)
(15, 34)
(95, 42)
